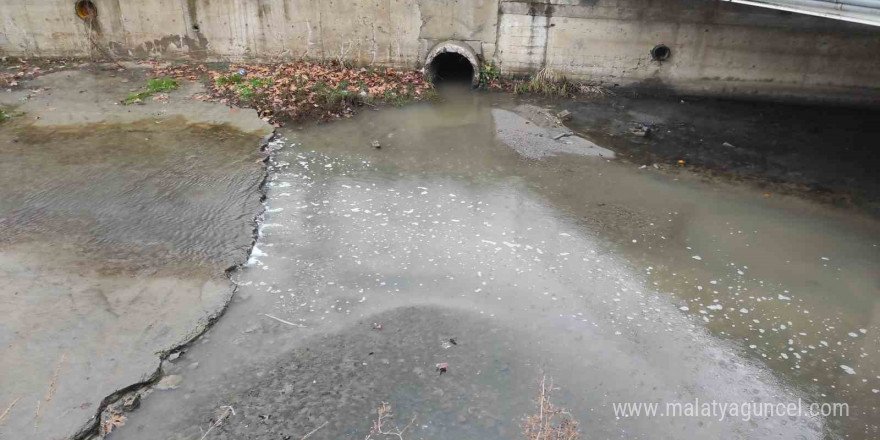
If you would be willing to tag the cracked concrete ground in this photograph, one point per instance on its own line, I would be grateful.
(118, 226)
(623, 283)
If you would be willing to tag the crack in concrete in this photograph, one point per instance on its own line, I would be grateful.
(91, 429)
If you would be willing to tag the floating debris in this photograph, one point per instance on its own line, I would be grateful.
(441, 367)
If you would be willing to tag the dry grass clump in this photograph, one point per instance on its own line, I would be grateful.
(550, 422)
(548, 82)
(384, 425)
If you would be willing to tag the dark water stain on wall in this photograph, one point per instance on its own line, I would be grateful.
(536, 10)
(198, 46)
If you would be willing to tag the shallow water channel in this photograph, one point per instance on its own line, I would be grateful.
(472, 238)
(114, 239)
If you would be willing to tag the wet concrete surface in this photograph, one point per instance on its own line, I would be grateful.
(622, 284)
(117, 227)
(535, 133)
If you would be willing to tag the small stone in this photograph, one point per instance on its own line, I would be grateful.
(131, 402)
(641, 130)
(376, 144)
(564, 115)
(173, 356)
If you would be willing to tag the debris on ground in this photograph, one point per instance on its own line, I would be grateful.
(227, 412)
(313, 431)
(283, 321)
(564, 115)
(376, 144)
(384, 417)
(562, 135)
(112, 422)
(550, 421)
(9, 408)
(377, 326)
(641, 130)
(13, 72)
(113, 416)
(299, 90)
(305, 90)
(131, 402)
(442, 367)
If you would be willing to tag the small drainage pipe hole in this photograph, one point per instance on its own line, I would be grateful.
(86, 10)
(660, 52)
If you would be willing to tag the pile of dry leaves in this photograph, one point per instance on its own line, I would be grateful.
(304, 90)
(298, 90)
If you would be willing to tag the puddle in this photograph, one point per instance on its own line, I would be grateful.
(623, 285)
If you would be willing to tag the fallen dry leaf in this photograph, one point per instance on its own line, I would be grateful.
(112, 422)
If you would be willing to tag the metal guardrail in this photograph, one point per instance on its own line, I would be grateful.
(857, 11)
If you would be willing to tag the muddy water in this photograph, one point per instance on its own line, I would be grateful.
(537, 259)
(114, 239)
(109, 186)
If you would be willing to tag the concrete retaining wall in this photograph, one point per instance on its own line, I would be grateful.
(717, 48)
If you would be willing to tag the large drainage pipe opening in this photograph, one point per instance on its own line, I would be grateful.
(452, 62)
(448, 68)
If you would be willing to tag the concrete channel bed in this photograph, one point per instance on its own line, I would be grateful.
(484, 246)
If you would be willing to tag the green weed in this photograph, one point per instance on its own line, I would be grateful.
(229, 79)
(7, 115)
(252, 88)
(155, 85)
(489, 72)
